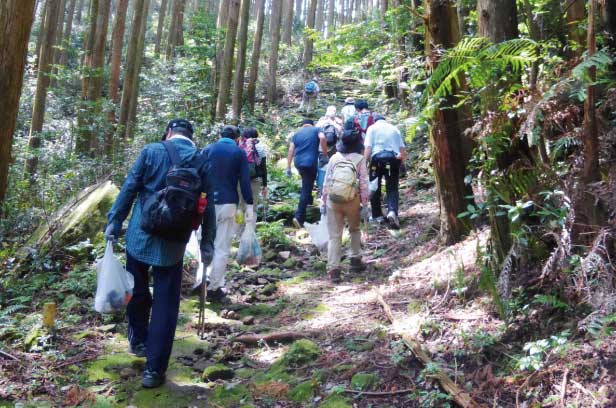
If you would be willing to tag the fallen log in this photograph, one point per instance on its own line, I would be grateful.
(461, 397)
(280, 337)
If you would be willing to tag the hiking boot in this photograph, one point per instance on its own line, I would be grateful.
(297, 223)
(217, 295)
(152, 379)
(334, 275)
(392, 218)
(138, 349)
(357, 265)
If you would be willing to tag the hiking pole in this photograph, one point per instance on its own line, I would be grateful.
(202, 299)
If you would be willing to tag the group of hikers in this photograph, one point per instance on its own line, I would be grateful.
(173, 188)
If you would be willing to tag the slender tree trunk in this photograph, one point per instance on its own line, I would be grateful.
(174, 30)
(41, 33)
(299, 6)
(275, 17)
(16, 17)
(330, 19)
(591, 140)
(462, 14)
(318, 25)
(131, 71)
(159, 29)
(226, 72)
(89, 49)
(287, 32)
(575, 18)
(42, 83)
(79, 11)
(498, 19)
(67, 32)
(449, 157)
(221, 27)
(132, 115)
(256, 56)
(309, 43)
(117, 40)
(240, 67)
(609, 23)
(179, 36)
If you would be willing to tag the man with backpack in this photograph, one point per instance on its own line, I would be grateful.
(167, 185)
(345, 197)
(304, 151)
(229, 167)
(364, 118)
(386, 152)
(310, 96)
(348, 110)
(257, 166)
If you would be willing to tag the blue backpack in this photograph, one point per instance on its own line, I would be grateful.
(310, 87)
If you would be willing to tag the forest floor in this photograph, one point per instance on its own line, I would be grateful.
(336, 345)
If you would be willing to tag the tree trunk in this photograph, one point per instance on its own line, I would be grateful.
(159, 29)
(318, 25)
(16, 17)
(498, 19)
(309, 43)
(174, 28)
(609, 23)
(256, 56)
(299, 6)
(41, 33)
(462, 14)
(42, 83)
(287, 32)
(67, 32)
(179, 36)
(226, 71)
(117, 40)
(132, 112)
(240, 67)
(275, 18)
(79, 11)
(128, 86)
(330, 19)
(591, 140)
(449, 155)
(221, 27)
(575, 19)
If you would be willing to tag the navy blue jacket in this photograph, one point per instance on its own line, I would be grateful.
(229, 166)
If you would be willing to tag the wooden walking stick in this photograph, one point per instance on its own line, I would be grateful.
(202, 299)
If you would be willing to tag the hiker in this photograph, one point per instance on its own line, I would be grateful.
(348, 110)
(229, 167)
(156, 168)
(304, 151)
(345, 197)
(310, 95)
(386, 152)
(331, 126)
(364, 118)
(257, 166)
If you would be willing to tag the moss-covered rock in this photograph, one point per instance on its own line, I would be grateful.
(302, 392)
(230, 395)
(319, 266)
(290, 263)
(217, 372)
(109, 366)
(335, 401)
(269, 289)
(300, 353)
(364, 381)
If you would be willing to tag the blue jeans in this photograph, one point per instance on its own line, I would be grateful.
(390, 169)
(309, 175)
(158, 332)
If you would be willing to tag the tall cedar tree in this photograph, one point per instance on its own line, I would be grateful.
(117, 41)
(131, 71)
(240, 65)
(449, 156)
(591, 137)
(309, 45)
(226, 70)
(42, 83)
(299, 5)
(256, 56)
(162, 12)
(16, 18)
(318, 24)
(287, 22)
(221, 28)
(79, 11)
(272, 68)
(176, 36)
(330, 19)
(41, 31)
(132, 112)
(68, 29)
(576, 14)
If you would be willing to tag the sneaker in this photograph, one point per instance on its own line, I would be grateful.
(334, 275)
(217, 295)
(357, 265)
(297, 224)
(392, 218)
(377, 220)
(152, 379)
(138, 349)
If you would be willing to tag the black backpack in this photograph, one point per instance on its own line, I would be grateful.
(330, 135)
(170, 213)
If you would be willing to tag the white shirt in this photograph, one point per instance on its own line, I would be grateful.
(383, 136)
(347, 111)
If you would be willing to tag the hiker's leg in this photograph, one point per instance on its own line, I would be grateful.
(225, 228)
(308, 177)
(167, 286)
(375, 198)
(138, 309)
(392, 180)
(352, 212)
(335, 225)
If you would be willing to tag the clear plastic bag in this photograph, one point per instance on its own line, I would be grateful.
(319, 233)
(193, 253)
(114, 287)
(249, 252)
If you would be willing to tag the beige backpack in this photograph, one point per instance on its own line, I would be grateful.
(344, 182)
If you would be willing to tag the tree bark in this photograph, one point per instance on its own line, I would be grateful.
(175, 36)
(275, 18)
(117, 40)
(41, 33)
(591, 142)
(67, 32)
(256, 56)
(221, 27)
(226, 71)
(240, 67)
(16, 17)
(462, 10)
(449, 153)
(42, 83)
(318, 25)
(299, 6)
(132, 113)
(79, 11)
(575, 18)
(128, 87)
(287, 32)
(309, 43)
(159, 29)
(330, 19)
(498, 19)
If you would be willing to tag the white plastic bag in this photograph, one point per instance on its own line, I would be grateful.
(373, 186)
(193, 250)
(319, 233)
(114, 287)
(249, 252)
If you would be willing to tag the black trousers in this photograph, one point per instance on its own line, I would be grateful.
(158, 331)
(388, 168)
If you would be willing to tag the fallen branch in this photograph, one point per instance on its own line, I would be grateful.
(7, 355)
(563, 389)
(74, 361)
(379, 393)
(279, 337)
(461, 397)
